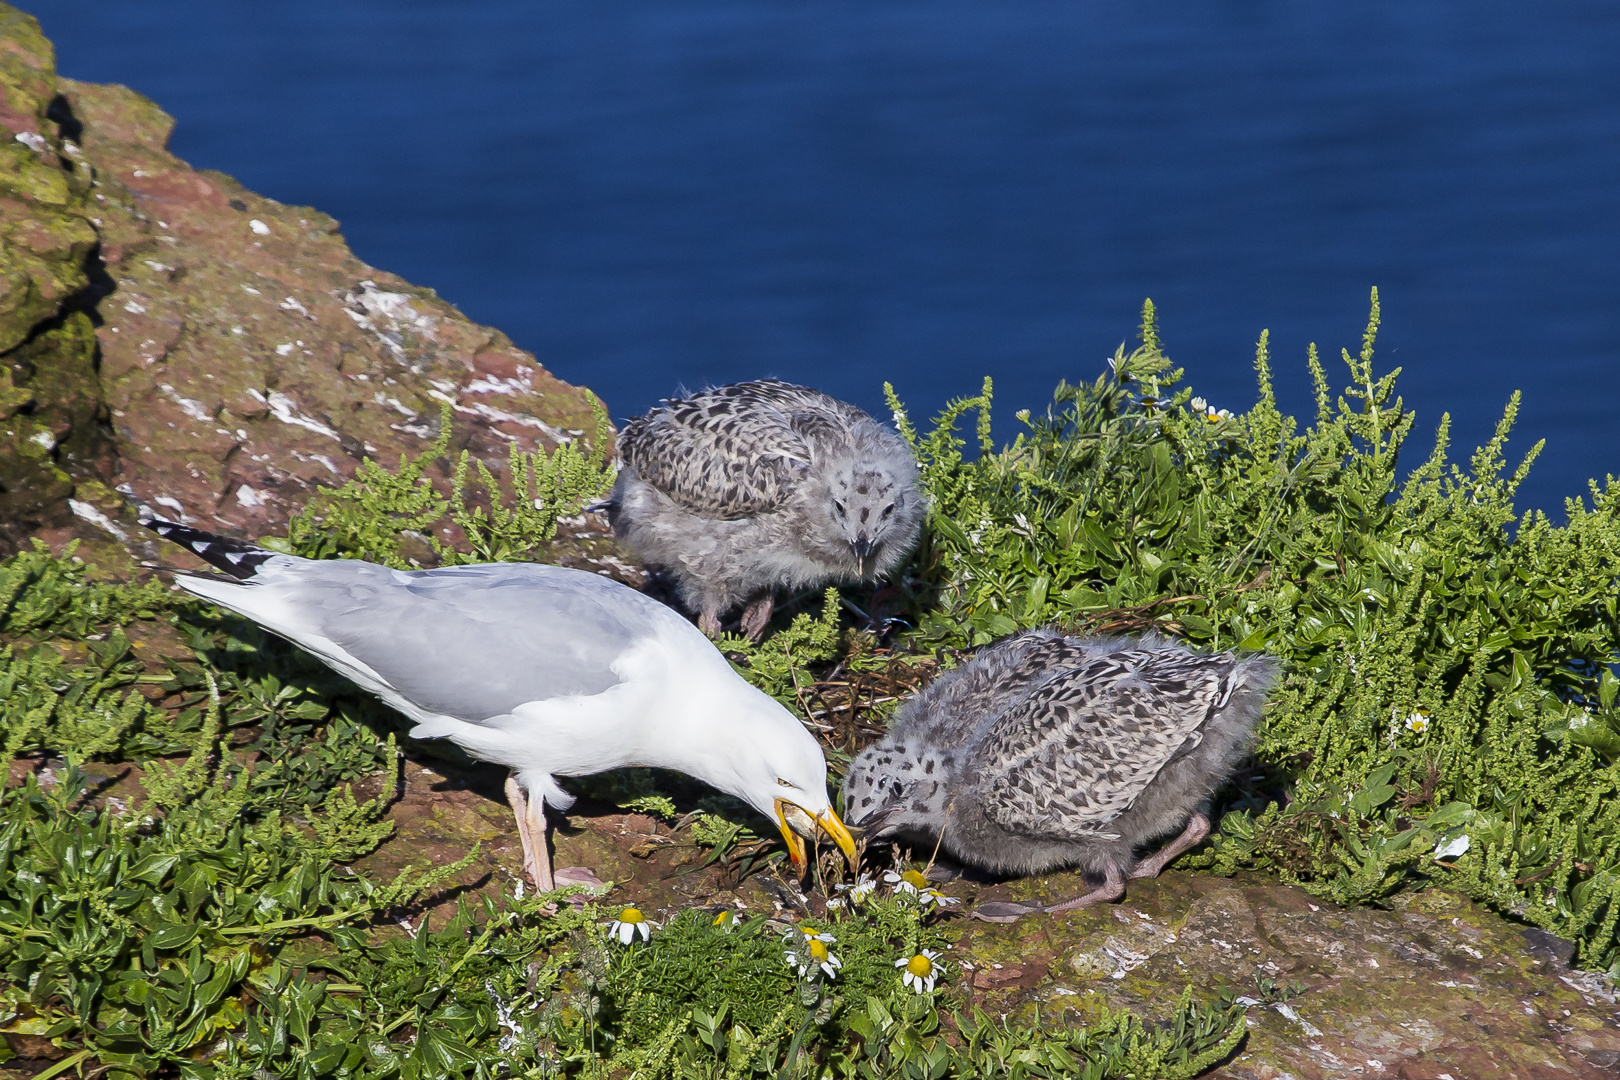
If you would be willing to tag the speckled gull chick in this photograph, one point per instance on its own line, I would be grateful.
(744, 489)
(548, 671)
(1047, 751)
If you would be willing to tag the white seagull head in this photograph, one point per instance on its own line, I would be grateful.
(764, 756)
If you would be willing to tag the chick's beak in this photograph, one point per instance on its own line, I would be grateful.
(862, 547)
(795, 821)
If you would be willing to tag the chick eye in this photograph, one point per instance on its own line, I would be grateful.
(887, 510)
(783, 783)
(838, 506)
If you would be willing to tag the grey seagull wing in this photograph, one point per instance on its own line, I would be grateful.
(1075, 754)
(471, 642)
(728, 453)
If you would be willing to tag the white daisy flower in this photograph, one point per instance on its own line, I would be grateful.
(864, 886)
(911, 881)
(913, 884)
(810, 955)
(1418, 722)
(920, 970)
(1198, 405)
(810, 933)
(630, 923)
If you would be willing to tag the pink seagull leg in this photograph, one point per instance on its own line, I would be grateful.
(531, 826)
(1196, 830)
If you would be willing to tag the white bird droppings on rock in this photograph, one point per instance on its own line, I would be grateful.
(190, 406)
(283, 408)
(89, 513)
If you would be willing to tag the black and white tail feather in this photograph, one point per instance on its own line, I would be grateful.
(238, 558)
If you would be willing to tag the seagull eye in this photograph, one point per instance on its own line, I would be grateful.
(782, 782)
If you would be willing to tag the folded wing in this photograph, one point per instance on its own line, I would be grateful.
(727, 453)
(469, 642)
(1076, 753)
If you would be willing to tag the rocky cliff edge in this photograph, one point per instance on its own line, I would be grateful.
(166, 333)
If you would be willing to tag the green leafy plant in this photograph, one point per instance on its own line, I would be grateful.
(400, 517)
(1447, 659)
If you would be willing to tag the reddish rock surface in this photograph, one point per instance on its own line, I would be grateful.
(1434, 986)
(243, 355)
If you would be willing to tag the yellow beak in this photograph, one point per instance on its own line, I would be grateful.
(794, 820)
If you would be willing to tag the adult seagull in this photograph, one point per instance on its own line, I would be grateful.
(548, 671)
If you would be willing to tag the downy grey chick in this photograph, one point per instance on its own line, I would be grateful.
(1047, 751)
(743, 489)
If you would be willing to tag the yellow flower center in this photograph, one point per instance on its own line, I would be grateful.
(914, 879)
(818, 951)
(920, 966)
(630, 915)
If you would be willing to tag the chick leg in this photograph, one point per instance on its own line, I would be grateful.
(1006, 911)
(1112, 888)
(709, 621)
(757, 615)
(531, 826)
(1196, 830)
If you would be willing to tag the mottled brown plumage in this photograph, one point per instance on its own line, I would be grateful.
(1047, 751)
(743, 489)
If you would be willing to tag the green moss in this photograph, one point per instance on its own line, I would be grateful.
(27, 63)
(48, 386)
(44, 225)
(50, 410)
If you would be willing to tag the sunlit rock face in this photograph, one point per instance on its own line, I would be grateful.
(232, 353)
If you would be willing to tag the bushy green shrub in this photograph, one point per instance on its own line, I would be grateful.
(399, 518)
(1448, 661)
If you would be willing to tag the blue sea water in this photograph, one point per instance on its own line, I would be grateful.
(650, 195)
